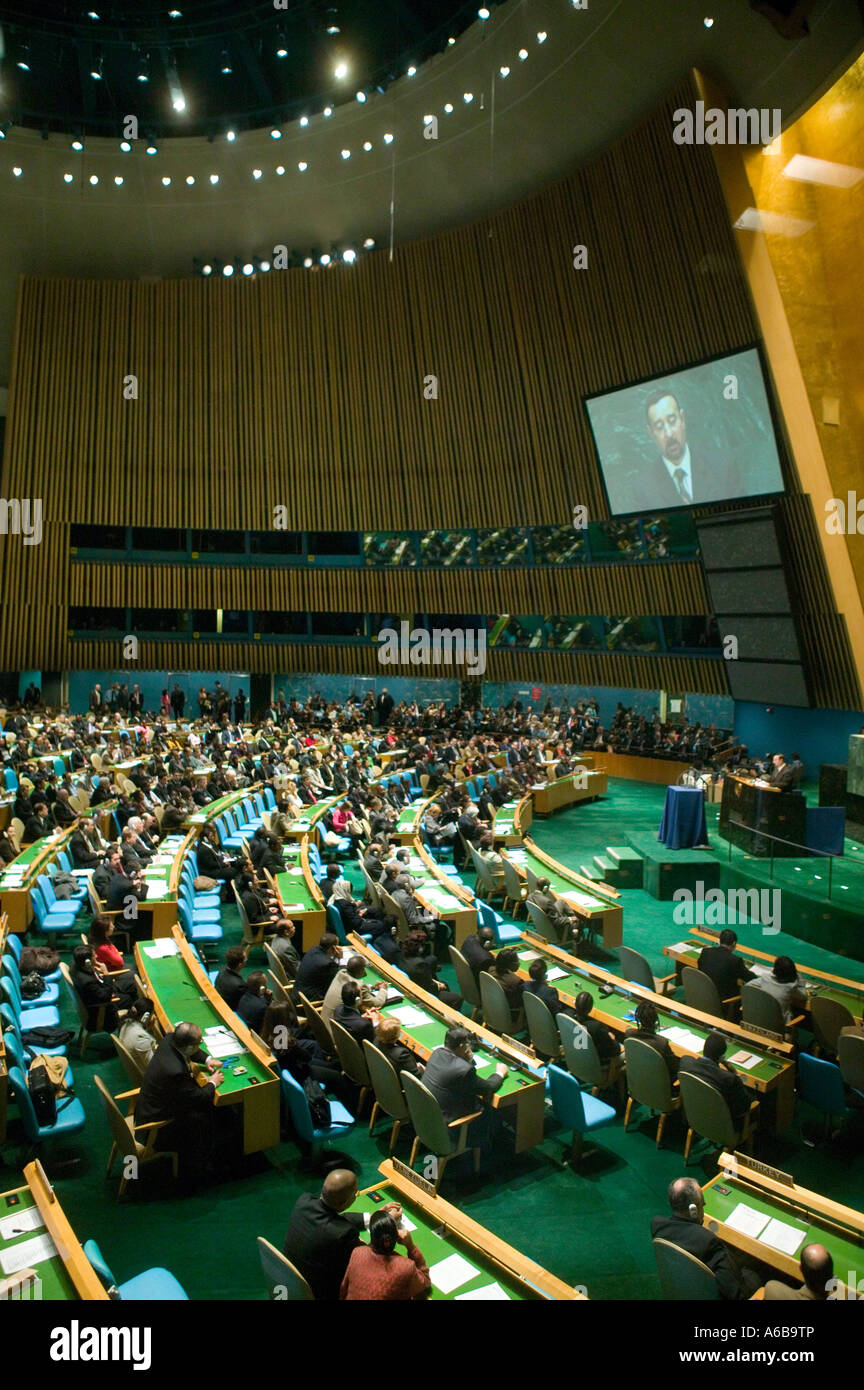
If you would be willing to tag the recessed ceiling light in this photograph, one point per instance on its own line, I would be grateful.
(708, 22)
(166, 182)
(265, 266)
(151, 149)
(280, 169)
(214, 178)
(304, 120)
(282, 47)
(23, 60)
(94, 179)
(308, 262)
(227, 270)
(302, 166)
(340, 71)
(411, 71)
(504, 71)
(77, 145)
(118, 179)
(467, 97)
(125, 146)
(448, 107)
(451, 41)
(190, 179)
(175, 14)
(17, 171)
(248, 268)
(275, 133)
(207, 269)
(369, 243)
(523, 54)
(256, 173)
(388, 139)
(350, 255)
(91, 14)
(179, 103)
(346, 154)
(328, 111)
(96, 70)
(325, 259)
(225, 63)
(541, 36)
(333, 29)
(483, 13)
(67, 178)
(367, 145)
(231, 135)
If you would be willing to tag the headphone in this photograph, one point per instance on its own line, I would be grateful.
(693, 1212)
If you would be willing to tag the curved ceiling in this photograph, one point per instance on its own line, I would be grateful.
(550, 84)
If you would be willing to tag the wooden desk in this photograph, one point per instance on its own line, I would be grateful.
(182, 993)
(512, 821)
(818, 1219)
(773, 1076)
(68, 1274)
(444, 1230)
(582, 785)
(849, 993)
(15, 900)
(594, 902)
(162, 876)
(443, 895)
(298, 894)
(662, 772)
(408, 821)
(523, 1090)
(307, 823)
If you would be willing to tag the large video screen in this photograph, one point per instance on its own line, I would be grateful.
(695, 435)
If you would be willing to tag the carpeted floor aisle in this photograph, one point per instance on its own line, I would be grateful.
(590, 1228)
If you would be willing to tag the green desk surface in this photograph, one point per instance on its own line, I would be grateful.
(436, 1248)
(847, 1253)
(406, 818)
(56, 1284)
(294, 890)
(560, 882)
(504, 817)
(172, 983)
(314, 813)
(619, 1005)
(851, 1000)
(215, 808)
(432, 887)
(26, 857)
(432, 1033)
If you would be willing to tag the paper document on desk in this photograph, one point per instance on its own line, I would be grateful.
(681, 946)
(482, 1062)
(158, 949)
(529, 955)
(745, 1060)
(410, 1017)
(295, 873)
(783, 1237)
(487, 1294)
(452, 1273)
(556, 973)
(29, 1252)
(747, 1220)
(16, 1225)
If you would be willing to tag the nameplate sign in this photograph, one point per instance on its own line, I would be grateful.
(764, 1032)
(519, 1047)
(754, 1166)
(410, 1176)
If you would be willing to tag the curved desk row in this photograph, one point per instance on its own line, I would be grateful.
(40, 1255)
(771, 1074)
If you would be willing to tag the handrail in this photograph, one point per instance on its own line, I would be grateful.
(810, 853)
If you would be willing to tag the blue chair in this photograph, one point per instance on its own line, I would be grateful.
(198, 914)
(269, 799)
(51, 923)
(576, 1109)
(821, 1085)
(70, 1112)
(13, 945)
(50, 994)
(342, 1121)
(11, 1023)
(504, 933)
(196, 930)
(334, 922)
(38, 1016)
(55, 906)
(17, 1053)
(154, 1285)
(187, 879)
(10, 777)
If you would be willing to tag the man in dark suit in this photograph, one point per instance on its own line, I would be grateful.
(317, 968)
(85, 845)
(361, 1026)
(680, 478)
(322, 1233)
(384, 706)
(544, 992)
(38, 824)
(230, 984)
(817, 1269)
(710, 1067)
(684, 1228)
(783, 776)
(170, 1092)
(62, 813)
(454, 1081)
(477, 950)
(721, 965)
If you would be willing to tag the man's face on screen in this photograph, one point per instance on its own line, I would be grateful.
(667, 427)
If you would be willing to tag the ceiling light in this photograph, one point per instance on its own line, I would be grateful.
(304, 120)
(388, 138)
(308, 262)
(467, 97)
(67, 178)
(275, 133)
(340, 71)
(190, 179)
(367, 145)
(2, 133)
(361, 97)
(94, 179)
(17, 171)
(346, 154)
(708, 22)
(151, 149)
(504, 71)
(248, 268)
(411, 71)
(328, 111)
(91, 14)
(142, 68)
(96, 70)
(806, 169)
(281, 47)
(179, 102)
(280, 169)
(207, 269)
(325, 259)
(225, 63)
(265, 266)
(350, 255)
(369, 243)
(256, 173)
(302, 166)
(333, 29)
(483, 13)
(214, 178)
(448, 107)
(125, 146)
(166, 182)
(174, 14)
(230, 135)
(77, 144)
(541, 36)
(227, 270)
(118, 179)
(523, 54)
(23, 60)
(451, 41)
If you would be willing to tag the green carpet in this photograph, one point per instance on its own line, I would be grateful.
(590, 1228)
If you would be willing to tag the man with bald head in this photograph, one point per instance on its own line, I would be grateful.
(683, 1227)
(817, 1269)
(322, 1233)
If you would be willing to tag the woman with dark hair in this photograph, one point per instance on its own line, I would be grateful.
(504, 971)
(300, 1054)
(647, 1019)
(94, 991)
(106, 956)
(783, 984)
(376, 1273)
(385, 943)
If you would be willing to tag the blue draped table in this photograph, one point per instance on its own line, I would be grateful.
(683, 824)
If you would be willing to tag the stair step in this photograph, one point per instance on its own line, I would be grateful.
(617, 853)
(589, 871)
(603, 864)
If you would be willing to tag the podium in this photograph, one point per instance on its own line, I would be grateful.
(749, 814)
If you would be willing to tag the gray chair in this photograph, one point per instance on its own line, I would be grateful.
(492, 885)
(514, 889)
(648, 1083)
(468, 986)
(277, 966)
(133, 1068)
(496, 1006)
(635, 967)
(387, 1088)
(542, 923)
(286, 1284)
(442, 1140)
(542, 1027)
(708, 1114)
(828, 1018)
(850, 1059)
(581, 1055)
(701, 993)
(352, 1060)
(317, 1027)
(762, 1009)
(682, 1276)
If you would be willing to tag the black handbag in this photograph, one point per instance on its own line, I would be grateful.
(32, 985)
(42, 1095)
(319, 1105)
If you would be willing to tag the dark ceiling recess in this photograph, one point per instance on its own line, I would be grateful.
(234, 63)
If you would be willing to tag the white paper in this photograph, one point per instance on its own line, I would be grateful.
(482, 1062)
(747, 1220)
(18, 1223)
(682, 946)
(488, 1293)
(556, 973)
(32, 1252)
(781, 1236)
(293, 907)
(392, 994)
(224, 1047)
(410, 1017)
(164, 947)
(745, 1060)
(452, 1273)
(529, 955)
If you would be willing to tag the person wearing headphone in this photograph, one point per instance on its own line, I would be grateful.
(684, 1228)
(138, 1032)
